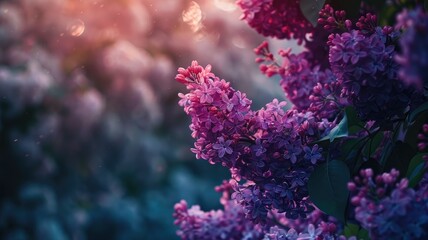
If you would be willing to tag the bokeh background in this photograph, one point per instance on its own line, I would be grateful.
(92, 142)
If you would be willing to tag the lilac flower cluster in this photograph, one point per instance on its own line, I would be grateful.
(306, 78)
(332, 20)
(316, 226)
(219, 114)
(229, 223)
(306, 85)
(387, 208)
(329, 21)
(310, 233)
(365, 67)
(367, 23)
(413, 58)
(269, 147)
(276, 18)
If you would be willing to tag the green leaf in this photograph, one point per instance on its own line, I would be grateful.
(363, 234)
(386, 152)
(349, 124)
(328, 188)
(416, 169)
(415, 113)
(355, 230)
(373, 144)
(354, 122)
(415, 127)
(311, 9)
(341, 130)
(349, 149)
(400, 157)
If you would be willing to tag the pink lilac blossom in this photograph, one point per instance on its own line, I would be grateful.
(306, 85)
(218, 113)
(269, 147)
(367, 24)
(329, 21)
(276, 18)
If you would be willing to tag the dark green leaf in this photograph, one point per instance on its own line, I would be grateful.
(400, 157)
(351, 152)
(328, 188)
(355, 230)
(415, 127)
(372, 145)
(354, 122)
(341, 130)
(351, 230)
(415, 113)
(311, 9)
(416, 169)
(351, 7)
(387, 149)
(349, 149)
(363, 234)
(349, 124)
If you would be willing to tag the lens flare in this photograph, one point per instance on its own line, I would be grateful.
(193, 16)
(225, 5)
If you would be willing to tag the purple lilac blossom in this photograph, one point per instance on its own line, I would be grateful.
(329, 21)
(218, 113)
(308, 87)
(228, 224)
(388, 208)
(265, 147)
(413, 58)
(276, 18)
(231, 223)
(365, 67)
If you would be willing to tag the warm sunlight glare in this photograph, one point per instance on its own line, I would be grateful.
(225, 5)
(193, 16)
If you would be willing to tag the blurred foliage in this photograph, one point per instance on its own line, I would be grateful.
(92, 142)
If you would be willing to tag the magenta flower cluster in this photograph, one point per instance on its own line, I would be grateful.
(229, 223)
(256, 145)
(276, 18)
(388, 208)
(365, 66)
(345, 65)
(307, 86)
(351, 108)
